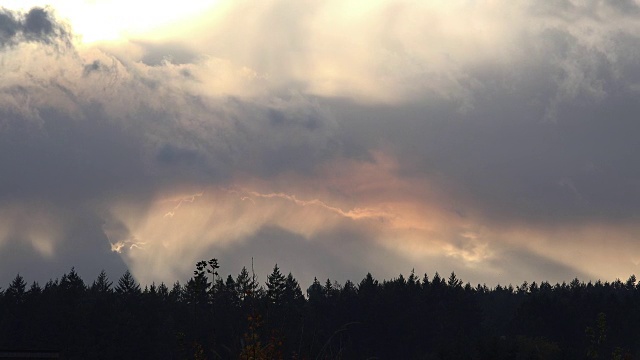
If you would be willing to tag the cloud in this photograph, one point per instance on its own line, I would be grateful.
(156, 54)
(42, 241)
(37, 25)
(91, 131)
(417, 135)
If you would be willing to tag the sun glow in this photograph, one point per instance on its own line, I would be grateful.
(115, 20)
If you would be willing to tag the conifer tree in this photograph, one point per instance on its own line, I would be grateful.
(16, 290)
(102, 284)
(292, 291)
(276, 286)
(127, 285)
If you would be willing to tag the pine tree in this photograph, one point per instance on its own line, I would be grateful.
(163, 291)
(246, 285)
(72, 283)
(177, 292)
(127, 285)
(276, 286)
(16, 290)
(413, 281)
(349, 289)
(102, 284)
(315, 292)
(368, 286)
(292, 291)
(453, 281)
(35, 289)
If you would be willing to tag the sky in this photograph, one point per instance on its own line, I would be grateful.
(494, 138)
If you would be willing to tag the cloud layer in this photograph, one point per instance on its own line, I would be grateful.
(496, 139)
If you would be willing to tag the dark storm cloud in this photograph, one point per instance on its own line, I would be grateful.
(37, 25)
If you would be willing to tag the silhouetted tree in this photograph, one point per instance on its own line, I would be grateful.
(453, 281)
(72, 285)
(292, 292)
(397, 318)
(16, 290)
(247, 287)
(102, 284)
(127, 285)
(276, 286)
(315, 292)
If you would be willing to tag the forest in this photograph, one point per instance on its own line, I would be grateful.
(412, 317)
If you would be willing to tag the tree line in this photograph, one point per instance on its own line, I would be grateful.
(213, 317)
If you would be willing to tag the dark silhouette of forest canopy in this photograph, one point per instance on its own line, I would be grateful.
(215, 317)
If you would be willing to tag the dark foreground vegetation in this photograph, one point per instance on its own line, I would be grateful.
(211, 317)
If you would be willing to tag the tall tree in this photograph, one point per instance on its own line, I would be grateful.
(368, 286)
(72, 284)
(35, 289)
(453, 281)
(246, 285)
(16, 290)
(176, 294)
(102, 284)
(127, 285)
(276, 286)
(293, 292)
(315, 292)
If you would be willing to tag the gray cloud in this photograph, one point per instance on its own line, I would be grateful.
(156, 54)
(329, 256)
(37, 25)
(81, 244)
(566, 115)
(96, 66)
(594, 9)
(340, 255)
(522, 265)
(67, 160)
(80, 136)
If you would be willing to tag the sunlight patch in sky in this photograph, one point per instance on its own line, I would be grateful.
(117, 20)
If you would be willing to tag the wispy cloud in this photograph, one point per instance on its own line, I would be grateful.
(354, 214)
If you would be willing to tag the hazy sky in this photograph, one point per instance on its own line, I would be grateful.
(494, 138)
